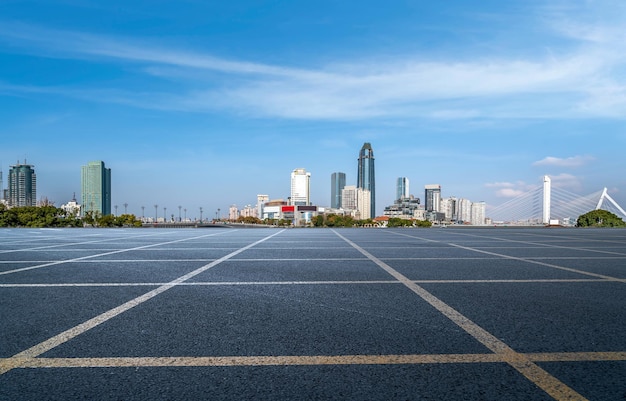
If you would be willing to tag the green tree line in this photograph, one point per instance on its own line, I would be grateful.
(51, 216)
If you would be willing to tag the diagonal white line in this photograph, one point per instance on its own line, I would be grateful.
(531, 261)
(58, 262)
(17, 360)
(548, 383)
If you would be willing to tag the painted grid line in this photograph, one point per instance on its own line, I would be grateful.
(58, 262)
(32, 352)
(531, 260)
(544, 380)
(300, 360)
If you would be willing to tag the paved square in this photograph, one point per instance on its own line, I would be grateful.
(379, 314)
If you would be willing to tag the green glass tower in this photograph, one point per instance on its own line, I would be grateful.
(96, 188)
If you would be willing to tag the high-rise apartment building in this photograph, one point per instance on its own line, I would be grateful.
(464, 210)
(300, 187)
(432, 197)
(261, 200)
(337, 183)
(365, 174)
(96, 188)
(356, 200)
(478, 213)
(402, 188)
(22, 190)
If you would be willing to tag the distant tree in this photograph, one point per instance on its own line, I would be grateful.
(423, 223)
(318, 221)
(249, 220)
(600, 218)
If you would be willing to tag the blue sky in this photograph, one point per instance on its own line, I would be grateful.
(207, 103)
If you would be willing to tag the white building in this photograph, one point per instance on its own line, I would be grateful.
(464, 210)
(300, 187)
(72, 207)
(363, 203)
(478, 213)
(233, 213)
(449, 207)
(356, 200)
(348, 197)
(248, 211)
(261, 200)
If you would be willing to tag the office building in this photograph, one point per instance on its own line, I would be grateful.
(22, 188)
(96, 188)
(365, 175)
(337, 183)
(432, 197)
(402, 188)
(300, 187)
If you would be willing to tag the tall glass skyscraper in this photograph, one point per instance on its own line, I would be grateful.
(96, 188)
(365, 175)
(22, 189)
(402, 188)
(337, 184)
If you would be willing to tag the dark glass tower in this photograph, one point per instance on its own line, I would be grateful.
(22, 185)
(337, 183)
(365, 175)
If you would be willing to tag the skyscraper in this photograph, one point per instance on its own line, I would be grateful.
(300, 187)
(432, 197)
(365, 174)
(96, 188)
(22, 189)
(337, 183)
(402, 188)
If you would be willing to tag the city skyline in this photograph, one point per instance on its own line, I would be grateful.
(206, 105)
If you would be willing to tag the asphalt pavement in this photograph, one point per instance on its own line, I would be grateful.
(313, 314)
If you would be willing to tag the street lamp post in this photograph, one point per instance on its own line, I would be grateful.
(185, 209)
(164, 214)
(125, 208)
(200, 214)
(156, 213)
(142, 212)
(179, 219)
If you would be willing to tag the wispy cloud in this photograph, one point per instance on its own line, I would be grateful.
(586, 80)
(510, 189)
(567, 181)
(574, 161)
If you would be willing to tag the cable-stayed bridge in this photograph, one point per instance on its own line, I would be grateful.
(544, 205)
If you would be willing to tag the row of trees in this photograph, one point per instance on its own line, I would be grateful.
(51, 216)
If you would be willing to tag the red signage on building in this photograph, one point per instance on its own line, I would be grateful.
(287, 209)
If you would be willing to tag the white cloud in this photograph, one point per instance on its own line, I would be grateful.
(583, 80)
(509, 193)
(510, 189)
(567, 181)
(574, 161)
